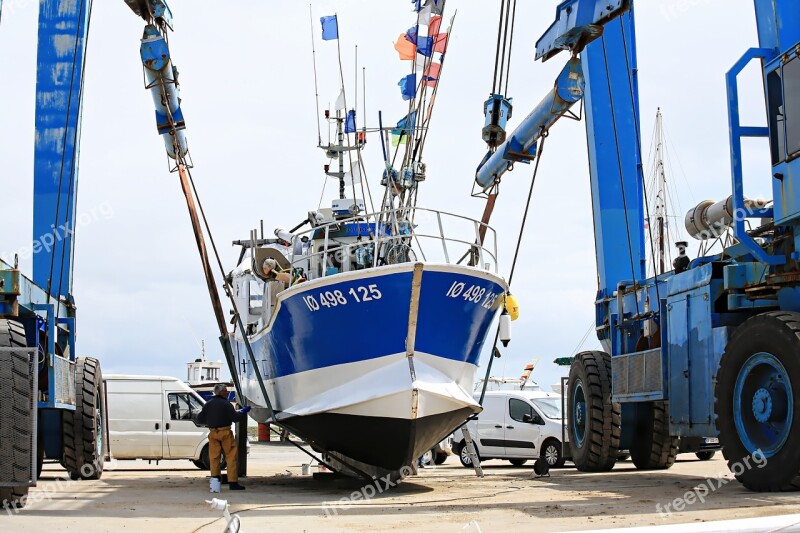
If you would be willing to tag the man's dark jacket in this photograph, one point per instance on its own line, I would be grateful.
(218, 412)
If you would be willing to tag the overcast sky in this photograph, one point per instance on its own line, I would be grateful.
(248, 97)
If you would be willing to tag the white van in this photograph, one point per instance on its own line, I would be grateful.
(153, 418)
(517, 426)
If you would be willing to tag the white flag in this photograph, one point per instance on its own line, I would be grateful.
(354, 176)
(340, 102)
(425, 15)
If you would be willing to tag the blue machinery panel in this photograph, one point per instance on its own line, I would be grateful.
(62, 45)
(691, 354)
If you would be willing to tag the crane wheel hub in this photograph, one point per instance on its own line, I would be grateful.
(763, 385)
(762, 405)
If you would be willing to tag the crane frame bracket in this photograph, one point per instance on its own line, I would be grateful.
(578, 22)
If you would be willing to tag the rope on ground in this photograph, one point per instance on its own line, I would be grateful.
(424, 502)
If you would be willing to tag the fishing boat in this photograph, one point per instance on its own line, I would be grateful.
(367, 325)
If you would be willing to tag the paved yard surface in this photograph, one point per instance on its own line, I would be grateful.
(171, 497)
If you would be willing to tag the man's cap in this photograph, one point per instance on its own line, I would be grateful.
(219, 387)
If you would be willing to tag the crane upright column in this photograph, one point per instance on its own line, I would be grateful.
(63, 27)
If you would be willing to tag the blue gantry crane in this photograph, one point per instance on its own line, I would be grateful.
(52, 403)
(712, 348)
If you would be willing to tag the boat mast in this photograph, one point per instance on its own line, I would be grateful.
(340, 145)
(337, 151)
(661, 200)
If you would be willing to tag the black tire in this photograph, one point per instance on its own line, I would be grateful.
(463, 455)
(517, 462)
(553, 453)
(440, 458)
(600, 424)
(13, 497)
(204, 463)
(623, 457)
(777, 334)
(84, 433)
(706, 456)
(12, 335)
(653, 448)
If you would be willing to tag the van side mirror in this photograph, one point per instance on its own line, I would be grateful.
(528, 419)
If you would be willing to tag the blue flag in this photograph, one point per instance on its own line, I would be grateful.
(408, 86)
(406, 124)
(350, 123)
(425, 46)
(412, 35)
(330, 28)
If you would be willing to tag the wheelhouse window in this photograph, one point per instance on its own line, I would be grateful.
(256, 296)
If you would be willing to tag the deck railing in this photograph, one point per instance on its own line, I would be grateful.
(398, 236)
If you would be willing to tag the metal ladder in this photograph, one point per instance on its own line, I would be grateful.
(473, 456)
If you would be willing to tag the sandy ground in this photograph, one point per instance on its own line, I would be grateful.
(171, 497)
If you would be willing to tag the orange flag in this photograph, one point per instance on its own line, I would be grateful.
(435, 25)
(431, 74)
(440, 43)
(405, 48)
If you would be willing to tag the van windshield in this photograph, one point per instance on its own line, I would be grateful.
(550, 407)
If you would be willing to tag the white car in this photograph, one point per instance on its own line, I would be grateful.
(439, 453)
(517, 426)
(154, 418)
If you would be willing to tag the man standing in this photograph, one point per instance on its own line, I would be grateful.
(218, 414)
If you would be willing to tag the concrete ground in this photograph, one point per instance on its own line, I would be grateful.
(135, 496)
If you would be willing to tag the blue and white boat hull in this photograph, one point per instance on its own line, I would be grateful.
(375, 365)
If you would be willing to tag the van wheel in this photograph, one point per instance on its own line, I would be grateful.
(84, 430)
(204, 463)
(552, 453)
(440, 458)
(517, 462)
(706, 456)
(426, 459)
(463, 455)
